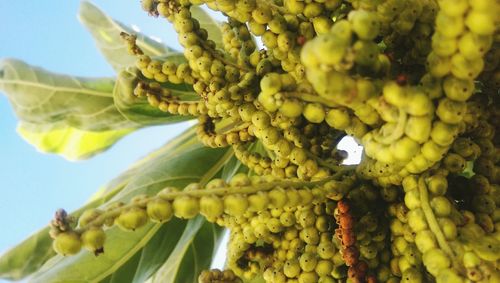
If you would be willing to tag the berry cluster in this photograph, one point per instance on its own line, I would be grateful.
(415, 82)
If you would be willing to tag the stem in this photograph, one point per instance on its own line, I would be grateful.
(311, 98)
(175, 99)
(215, 191)
(270, 4)
(395, 134)
(326, 164)
(434, 225)
(222, 59)
(431, 218)
(233, 127)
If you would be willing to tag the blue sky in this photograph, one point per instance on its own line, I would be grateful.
(33, 185)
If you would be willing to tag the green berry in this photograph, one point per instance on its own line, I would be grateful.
(261, 119)
(326, 250)
(466, 69)
(454, 163)
(324, 267)
(451, 111)
(412, 275)
(366, 52)
(418, 104)
(394, 94)
(412, 255)
(453, 7)
(306, 218)
(277, 198)
(483, 204)
(443, 45)
(88, 216)
(211, 207)
(448, 275)
(482, 22)
(310, 236)
(93, 240)
(438, 66)
(470, 259)
(291, 108)
(270, 136)
(448, 227)
(186, 207)
(258, 201)
(294, 6)
(270, 83)
(329, 49)
(441, 206)
(443, 134)
(235, 204)
(322, 24)
(246, 111)
(291, 268)
(308, 262)
(159, 210)
(338, 119)
(262, 15)
(405, 149)
(67, 243)
(287, 219)
(437, 185)
(458, 89)
(312, 10)
(433, 151)
(314, 112)
(365, 24)
(412, 199)
(132, 218)
(473, 46)
(416, 220)
(286, 41)
(449, 25)
(274, 225)
(425, 240)
(435, 260)
(269, 39)
(212, 184)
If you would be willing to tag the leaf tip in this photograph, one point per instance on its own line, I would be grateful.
(86, 9)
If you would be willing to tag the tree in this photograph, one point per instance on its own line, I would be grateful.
(414, 82)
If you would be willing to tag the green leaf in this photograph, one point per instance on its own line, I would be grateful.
(197, 238)
(106, 33)
(193, 253)
(78, 117)
(468, 171)
(213, 28)
(42, 97)
(126, 271)
(175, 168)
(138, 109)
(85, 267)
(232, 167)
(27, 257)
(69, 142)
(185, 140)
(171, 168)
(158, 250)
(32, 253)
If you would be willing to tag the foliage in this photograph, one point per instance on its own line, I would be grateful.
(414, 82)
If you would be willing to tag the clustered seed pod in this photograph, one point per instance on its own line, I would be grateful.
(414, 82)
(345, 233)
